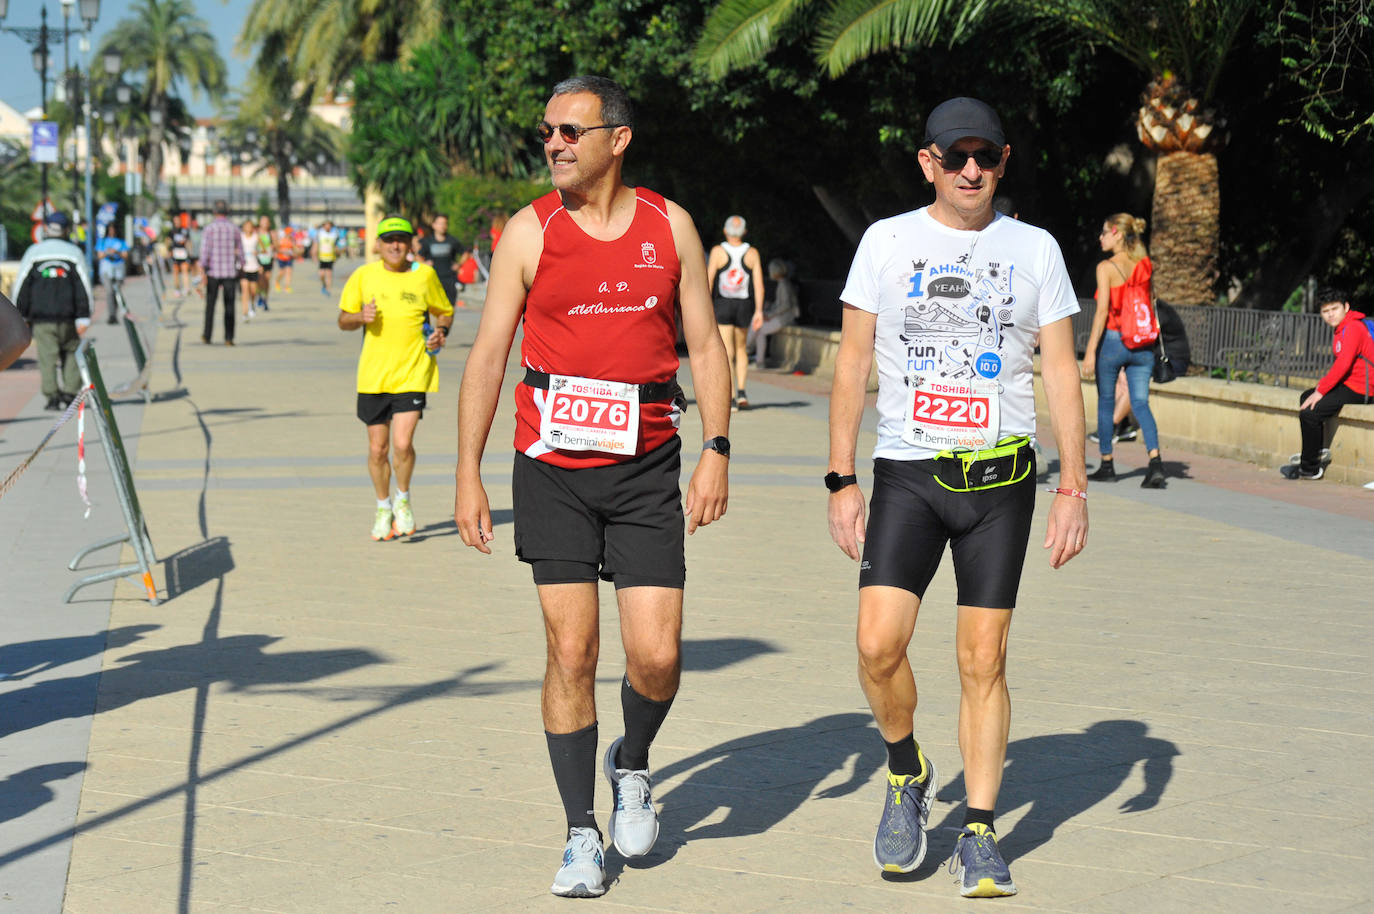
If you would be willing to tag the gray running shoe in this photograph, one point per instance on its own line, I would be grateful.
(978, 866)
(583, 873)
(900, 844)
(634, 824)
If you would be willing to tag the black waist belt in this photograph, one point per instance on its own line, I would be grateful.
(973, 471)
(653, 392)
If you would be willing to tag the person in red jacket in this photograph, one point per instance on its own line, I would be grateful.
(1350, 380)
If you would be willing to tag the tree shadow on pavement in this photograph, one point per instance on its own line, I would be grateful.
(31, 658)
(705, 654)
(238, 662)
(24, 791)
(757, 405)
(1058, 777)
(758, 780)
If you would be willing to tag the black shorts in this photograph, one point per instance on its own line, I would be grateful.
(911, 517)
(736, 312)
(247, 276)
(377, 409)
(327, 265)
(622, 523)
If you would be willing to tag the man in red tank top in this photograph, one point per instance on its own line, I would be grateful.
(598, 272)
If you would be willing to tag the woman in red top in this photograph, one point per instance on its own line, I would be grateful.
(1128, 264)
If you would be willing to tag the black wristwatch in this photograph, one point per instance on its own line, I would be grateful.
(720, 444)
(835, 482)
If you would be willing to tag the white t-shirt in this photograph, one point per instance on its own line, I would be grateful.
(250, 252)
(956, 305)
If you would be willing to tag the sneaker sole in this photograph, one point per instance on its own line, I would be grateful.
(608, 769)
(934, 781)
(397, 531)
(383, 539)
(988, 888)
(578, 891)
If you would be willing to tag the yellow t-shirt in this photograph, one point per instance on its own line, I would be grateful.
(393, 360)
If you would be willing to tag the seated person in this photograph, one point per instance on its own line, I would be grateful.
(781, 311)
(1349, 381)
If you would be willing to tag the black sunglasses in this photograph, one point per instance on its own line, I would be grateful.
(986, 158)
(570, 133)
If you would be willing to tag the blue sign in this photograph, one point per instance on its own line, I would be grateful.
(104, 216)
(988, 364)
(43, 149)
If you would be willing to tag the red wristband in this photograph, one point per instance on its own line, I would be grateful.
(1071, 493)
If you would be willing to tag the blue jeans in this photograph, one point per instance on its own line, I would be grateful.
(1112, 357)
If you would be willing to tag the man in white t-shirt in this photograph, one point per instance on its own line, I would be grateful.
(949, 299)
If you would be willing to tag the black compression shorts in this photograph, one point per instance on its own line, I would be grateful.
(911, 517)
(735, 312)
(622, 523)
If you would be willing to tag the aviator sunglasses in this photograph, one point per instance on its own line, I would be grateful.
(986, 158)
(570, 133)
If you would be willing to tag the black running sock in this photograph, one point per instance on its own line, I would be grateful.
(643, 717)
(979, 816)
(904, 757)
(574, 771)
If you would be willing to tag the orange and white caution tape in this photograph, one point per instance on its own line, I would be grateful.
(62, 420)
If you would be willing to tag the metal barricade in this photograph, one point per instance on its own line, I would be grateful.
(122, 479)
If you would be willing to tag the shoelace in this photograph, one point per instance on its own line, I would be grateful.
(633, 791)
(982, 848)
(582, 843)
(914, 793)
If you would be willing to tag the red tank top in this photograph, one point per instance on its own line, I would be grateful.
(604, 310)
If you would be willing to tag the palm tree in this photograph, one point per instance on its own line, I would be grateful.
(165, 44)
(287, 133)
(1182, 46)
(323, 40)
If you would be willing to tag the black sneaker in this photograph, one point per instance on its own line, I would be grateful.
(1104, 473)
(53, 405)
(1293, 471)
(1126, 430)
(1154, 476)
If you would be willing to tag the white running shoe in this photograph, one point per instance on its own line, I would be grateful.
(381, 527)
(634, 824)
(403, 520)
(583, 873)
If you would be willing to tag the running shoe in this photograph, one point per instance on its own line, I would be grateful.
(1126, 430)
(381, 528)
(742, 400)
(978, 866)
(900, 845)
(403, 520)
(634, 824)
(583, 873)
(1293, 471)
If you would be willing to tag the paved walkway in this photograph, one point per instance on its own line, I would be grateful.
(315, 722)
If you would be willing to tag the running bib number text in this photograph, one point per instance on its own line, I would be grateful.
(944, 414)
(585, 414)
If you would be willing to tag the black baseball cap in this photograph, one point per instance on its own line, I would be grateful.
(956, 118)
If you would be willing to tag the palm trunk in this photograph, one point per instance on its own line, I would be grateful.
(1186, 222)
(283, 194)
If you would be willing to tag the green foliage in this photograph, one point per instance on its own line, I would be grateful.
(265, 207)
(472, 201)
(389, 148)
(1327, 51)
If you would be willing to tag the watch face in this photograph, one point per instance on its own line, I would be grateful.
(721, 445)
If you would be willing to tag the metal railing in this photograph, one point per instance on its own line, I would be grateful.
(1239, 344)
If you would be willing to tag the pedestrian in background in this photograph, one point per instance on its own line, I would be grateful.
(53, 293)
(1128, 264)
(221, 258)
(111, 257)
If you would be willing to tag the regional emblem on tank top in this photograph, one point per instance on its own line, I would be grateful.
(646, 250)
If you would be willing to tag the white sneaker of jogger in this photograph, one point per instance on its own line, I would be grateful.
(633, 827)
